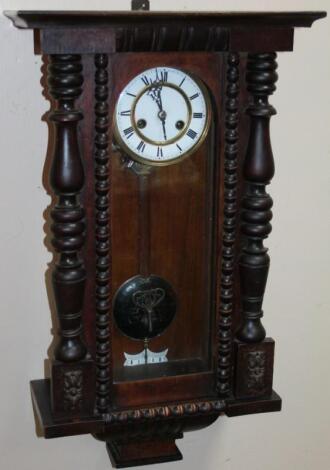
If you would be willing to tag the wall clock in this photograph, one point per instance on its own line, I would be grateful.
(161, 158)
(161, 116)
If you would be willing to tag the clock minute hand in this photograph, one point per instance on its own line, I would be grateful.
(162, 113)
(155, 94)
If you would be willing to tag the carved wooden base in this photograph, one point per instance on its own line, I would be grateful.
(143, 452)
(129, 453)
(72, 389)
(40, 390)
(253, 369)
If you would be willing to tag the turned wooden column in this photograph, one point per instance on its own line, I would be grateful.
(67, 180)
(70, 379)
(254, 353)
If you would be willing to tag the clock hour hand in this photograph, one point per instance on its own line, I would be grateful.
(164, 129)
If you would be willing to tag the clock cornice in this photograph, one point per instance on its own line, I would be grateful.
(147, 31)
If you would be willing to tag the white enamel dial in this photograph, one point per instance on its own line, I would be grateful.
(162, 115)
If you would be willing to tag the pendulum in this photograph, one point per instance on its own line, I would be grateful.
(144, 305)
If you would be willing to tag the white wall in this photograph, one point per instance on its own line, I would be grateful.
(296, 304)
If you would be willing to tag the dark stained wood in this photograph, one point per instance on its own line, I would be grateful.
(111, 424)
(97, 19)
(67, 178)
(279, 39)
(126, 421)
(164, 387)
(243, 138)
(228, 221)
(194, 239)
(72, 389)
(253, 406)
(40, 392)
(86, 136)
(130, 454)
(164, 31)
(256, 205)
(162, 38)
(102, 232)
(88, 41)
(254, 369)
(72, 374)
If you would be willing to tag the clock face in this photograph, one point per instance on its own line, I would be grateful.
(161, 116)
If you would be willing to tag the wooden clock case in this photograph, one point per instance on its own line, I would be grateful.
(91, 56)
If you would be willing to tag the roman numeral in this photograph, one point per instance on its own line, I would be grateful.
(159, 152)
(182, 81)
(192, 134)
(129, 132)
(141, 146)
(179, 147)
(145, 80)
(192, 97)
(164, 75)
(197, 115)
(130, 94)
(125, 113)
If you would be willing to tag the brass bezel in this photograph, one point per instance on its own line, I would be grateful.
(179, 134)
(136, 157)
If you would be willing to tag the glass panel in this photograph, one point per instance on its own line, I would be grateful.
(162, 262)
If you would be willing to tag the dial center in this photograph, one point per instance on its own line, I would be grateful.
(162, 115)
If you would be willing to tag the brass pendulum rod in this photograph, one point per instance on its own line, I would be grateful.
(144, 239)
(144, 226)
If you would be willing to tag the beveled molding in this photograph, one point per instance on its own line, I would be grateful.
(49, 18)
(180, 409)
(147, 31)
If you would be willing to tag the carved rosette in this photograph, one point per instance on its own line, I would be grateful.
(256, 205)
(102, 233)
(67, 179)
(229, 226)
(256, 361)
(73, 389)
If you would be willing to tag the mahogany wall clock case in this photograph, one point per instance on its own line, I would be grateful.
(161, 158)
